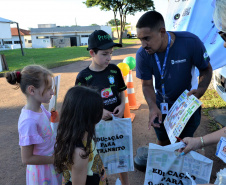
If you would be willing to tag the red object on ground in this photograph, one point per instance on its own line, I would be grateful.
(54, 117)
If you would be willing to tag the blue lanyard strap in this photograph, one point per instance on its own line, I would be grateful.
(162, 71)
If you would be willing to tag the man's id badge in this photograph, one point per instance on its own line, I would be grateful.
(164, 108)
(221, 149)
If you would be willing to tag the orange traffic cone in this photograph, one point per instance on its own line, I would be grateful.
(133, 104)
(127, 113)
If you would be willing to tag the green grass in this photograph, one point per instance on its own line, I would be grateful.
(211, 100)
(114, 29)
(50, 57)
(126, 28)
(127, 42)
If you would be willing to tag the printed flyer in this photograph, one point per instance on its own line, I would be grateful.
(221, 149)
(179, 114)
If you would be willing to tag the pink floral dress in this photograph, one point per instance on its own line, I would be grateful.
(34, 129)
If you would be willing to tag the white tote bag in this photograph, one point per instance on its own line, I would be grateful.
(167, 166)
(114, 144)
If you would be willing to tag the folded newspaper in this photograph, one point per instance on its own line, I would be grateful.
(165, 166)
(179, 114)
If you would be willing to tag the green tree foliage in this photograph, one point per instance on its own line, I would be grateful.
(112, 22)
(123, 8)
(94, 24)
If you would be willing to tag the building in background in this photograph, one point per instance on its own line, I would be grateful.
(5, 32)
(14, 41)
(54, 36)
(46, 25)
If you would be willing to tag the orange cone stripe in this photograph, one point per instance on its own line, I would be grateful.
(132, 99)
(127, 113)
(129, 85)
(130, 91)
(129, 77)
(126, 100)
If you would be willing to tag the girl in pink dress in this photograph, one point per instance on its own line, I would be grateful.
(35, 134)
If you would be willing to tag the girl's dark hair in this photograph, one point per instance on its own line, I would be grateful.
(82, 109)
(151, 19)
(30, 75)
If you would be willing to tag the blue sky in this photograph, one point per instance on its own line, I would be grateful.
(30, 13)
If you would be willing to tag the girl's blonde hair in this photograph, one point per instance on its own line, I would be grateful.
(30, 75)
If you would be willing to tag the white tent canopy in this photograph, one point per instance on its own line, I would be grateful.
(5, 28)
(6, 31)
(196, 16)
(5, 20)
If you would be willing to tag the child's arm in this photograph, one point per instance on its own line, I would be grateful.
(119, 110)
(28, 157)
(79, 168)
(106, 115)
(194, 143)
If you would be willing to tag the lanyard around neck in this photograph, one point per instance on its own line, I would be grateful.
(162, 71)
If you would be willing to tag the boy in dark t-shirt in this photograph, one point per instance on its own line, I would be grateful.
(109, 82)
(107, 78)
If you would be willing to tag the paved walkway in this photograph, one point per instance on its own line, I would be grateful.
(13, 100)
(12, 172)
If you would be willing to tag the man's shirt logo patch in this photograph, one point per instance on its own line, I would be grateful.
(205, 55)
(177, 61)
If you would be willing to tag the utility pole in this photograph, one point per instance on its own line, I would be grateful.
(21, 46)
(75, 22)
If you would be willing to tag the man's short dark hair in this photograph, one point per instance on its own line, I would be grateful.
(151, 19)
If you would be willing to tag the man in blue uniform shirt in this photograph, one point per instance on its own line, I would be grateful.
(171, 57)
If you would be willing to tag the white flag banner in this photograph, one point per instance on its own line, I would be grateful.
(52, 105)
(179, 14)
(196, 16)
(56, 87)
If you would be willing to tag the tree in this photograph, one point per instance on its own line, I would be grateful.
(94, 24)
(112, 22)
(123, 7)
